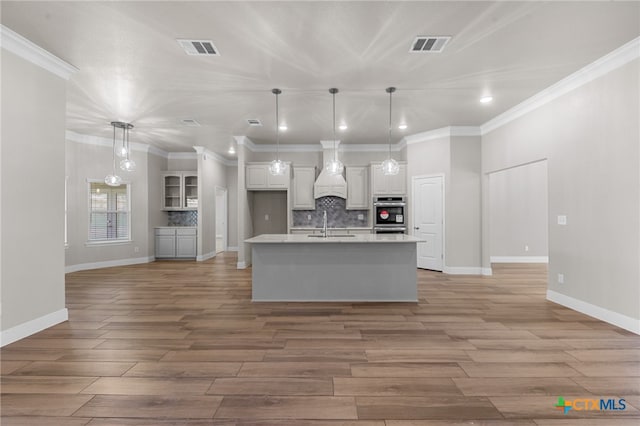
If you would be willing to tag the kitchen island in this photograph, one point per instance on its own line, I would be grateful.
(348, 268)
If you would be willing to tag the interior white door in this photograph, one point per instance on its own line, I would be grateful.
(427, 220)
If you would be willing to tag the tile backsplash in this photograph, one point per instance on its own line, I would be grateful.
(337, 215)
(186, 218)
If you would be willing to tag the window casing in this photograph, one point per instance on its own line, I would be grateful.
(109, 212)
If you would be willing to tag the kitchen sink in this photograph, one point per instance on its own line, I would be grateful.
(331, 236)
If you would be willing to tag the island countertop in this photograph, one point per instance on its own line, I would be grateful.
(354, 238)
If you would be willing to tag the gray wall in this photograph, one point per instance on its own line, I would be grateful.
(591, 139)
(458, 159)
(182, 164)
(211, 173)
(156, 164)
(85, 161)
(32, 191)
(519, 211)
(232, 206)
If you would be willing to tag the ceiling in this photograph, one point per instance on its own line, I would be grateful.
(132, 68)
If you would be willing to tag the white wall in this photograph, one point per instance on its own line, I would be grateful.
(90, 161)
(32, 196)
(232, 206)
(211, 173)
(590, 137)
(458, 159)
(519, 212)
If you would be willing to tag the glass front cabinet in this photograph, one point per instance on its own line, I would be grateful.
(180, 191)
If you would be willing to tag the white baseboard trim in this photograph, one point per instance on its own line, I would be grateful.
(232, 248)
(108, 264)
(31, 327)
(463, 270)
(487, 272)
(519, 259)
(203, 257)
(242, 265)
(622, 321)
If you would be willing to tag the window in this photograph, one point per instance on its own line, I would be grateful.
(109, 212)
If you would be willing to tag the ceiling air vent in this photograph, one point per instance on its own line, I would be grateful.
(254, 122)
(199, 47)
(429, 44)
(190, 122)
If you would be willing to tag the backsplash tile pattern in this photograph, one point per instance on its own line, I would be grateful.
(187, 218)
(337, 215)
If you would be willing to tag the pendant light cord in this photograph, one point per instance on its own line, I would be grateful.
(335, 153)
(114, 150)
(277, 92)
(390, 97)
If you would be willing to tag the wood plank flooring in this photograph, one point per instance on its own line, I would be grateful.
(180, 343)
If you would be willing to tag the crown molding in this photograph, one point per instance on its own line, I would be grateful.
(609, 62)
(330, 144)
(200, 150)
(29, 51)
(182, 155)
(107, 142)
(443, 132)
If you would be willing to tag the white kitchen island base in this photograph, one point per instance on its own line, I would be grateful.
(364, 268)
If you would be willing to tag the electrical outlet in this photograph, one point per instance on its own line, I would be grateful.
(526, 248)
(360, 216)
(560, 278)
(136, 249)
(308, 217)
(562, 220)
(266, 217)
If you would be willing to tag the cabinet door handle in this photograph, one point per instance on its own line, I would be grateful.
(416, 227)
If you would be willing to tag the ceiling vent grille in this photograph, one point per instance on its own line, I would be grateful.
(190, 122)
(429, 44)
(254, 122)
(199, 47)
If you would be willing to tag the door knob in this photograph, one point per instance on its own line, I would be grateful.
(416, 227)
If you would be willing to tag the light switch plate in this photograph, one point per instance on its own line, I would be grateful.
(562, 220)
(360, 216)
(560, 278)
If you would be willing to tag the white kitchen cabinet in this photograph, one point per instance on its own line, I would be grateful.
(176, 242)
(303, 180)
(388, 185)
(358, 188)
(257, 177)
(179, 191)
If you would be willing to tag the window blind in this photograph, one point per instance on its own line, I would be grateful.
(109, 212)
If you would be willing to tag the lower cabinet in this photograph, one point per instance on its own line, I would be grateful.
(172, 243)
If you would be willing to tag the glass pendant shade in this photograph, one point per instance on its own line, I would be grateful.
(113, 180)
(390, 167)
(277, 168)
(128, 165)
(334, 167)
(122, 151)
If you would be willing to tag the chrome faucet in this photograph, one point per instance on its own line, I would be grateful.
(324, 224)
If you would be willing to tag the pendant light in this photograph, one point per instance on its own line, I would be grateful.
(390, 166)
(277, 166)
(128, 165)
(113, 179)
(334, 166)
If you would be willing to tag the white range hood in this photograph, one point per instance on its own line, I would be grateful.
(329, 185)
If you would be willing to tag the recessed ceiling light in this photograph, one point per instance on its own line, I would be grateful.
(231, 150)
(486, 99)
(283, 127)
(402, 127)
(343, 127)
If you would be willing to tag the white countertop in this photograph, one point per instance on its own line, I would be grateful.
(298, 228)
(364, 238)
(174, 227)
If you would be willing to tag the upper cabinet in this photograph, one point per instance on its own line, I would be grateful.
(257, 177)
(180, 191)
(358, 188)
(303, 180)
(388, 185)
